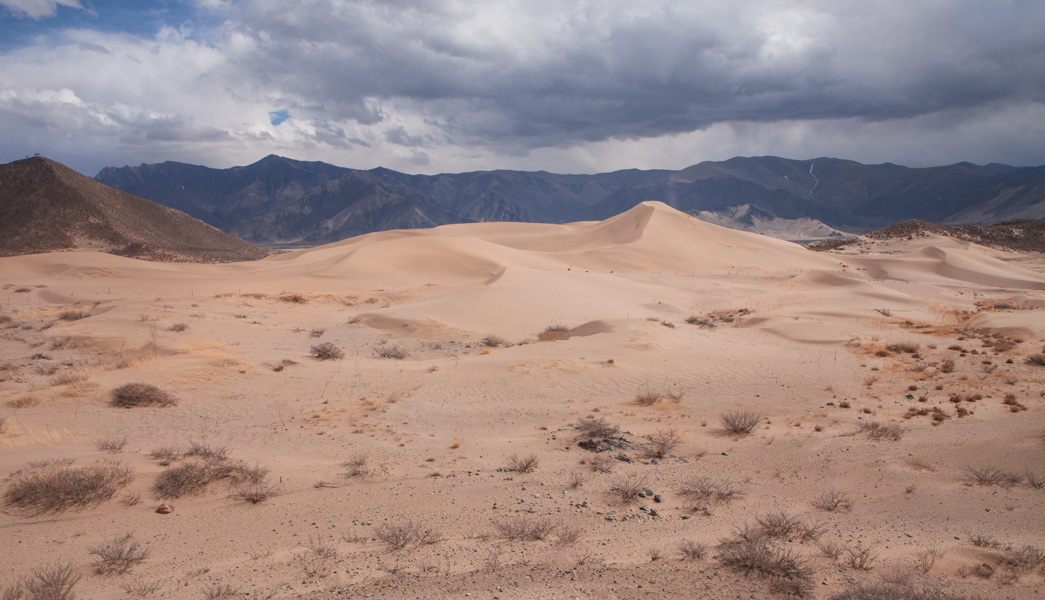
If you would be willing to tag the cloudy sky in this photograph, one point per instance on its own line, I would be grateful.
(580, 86)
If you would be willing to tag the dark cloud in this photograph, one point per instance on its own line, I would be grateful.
(572, 72)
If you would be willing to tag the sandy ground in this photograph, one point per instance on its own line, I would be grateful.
(790, 334)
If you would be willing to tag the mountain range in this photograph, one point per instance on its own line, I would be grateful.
(282, 201)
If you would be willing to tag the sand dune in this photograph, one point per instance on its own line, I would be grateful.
(651, 302)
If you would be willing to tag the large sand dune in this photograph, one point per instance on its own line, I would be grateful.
(799, 337)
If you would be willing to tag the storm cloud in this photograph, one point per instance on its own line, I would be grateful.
(568, 84)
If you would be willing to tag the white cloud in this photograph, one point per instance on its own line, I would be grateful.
(37, 9)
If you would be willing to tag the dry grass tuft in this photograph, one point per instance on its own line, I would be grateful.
(832, 501)
(523, 528)
(706, 491)
(141, 587)
(327, 351)
(1036, 359)
(692, 550)
(179, 327)
(988, 476)
(119, 556)
(663, 443)
(393, 352)
(73, 315)
(49, 583)
(111, 445)
(740, 422)
(880, 431)
(56, 486)
(294, 298)
(523, 464)
(648, 398)
(627, 489)
(400, 535)
(141, 394)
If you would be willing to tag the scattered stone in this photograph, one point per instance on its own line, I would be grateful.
(164, 509)
(658, 498)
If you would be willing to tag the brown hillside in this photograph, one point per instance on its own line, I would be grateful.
(46, 206)
(1021, 235)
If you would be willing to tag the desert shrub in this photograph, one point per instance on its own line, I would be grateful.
(294, 298)
(73, 315)
(568, 536)
(887, 591)
(692, 550)
(648, 398)
(400, 535)
(111, 445)
(178, 327)
(186, 479)
(132, 499)
(833, 500)
(778, 525)
(220, 591)
(3, 425)
(701, 321)
(832, 550)
(663, 443)
(394, 352)
(627, 489)
(1036, 359)
(988, 475)
(740, 422)
(761, 558)
(522, 464)
(879, 431)
(141, 394)
(559, 327)
(141, 587)
(600, 463)
(254, 493)
(165, 454)
(317, 333)
(860, 558)
(327, 351)
(908, 347)
(983, 541)
(207, 452)
(596, 428)
(69, 379)
(523, 528)
(709, 491)
(57, 486)
(1034, 480)
(49, 583)
(358, 466)
(493, 341)
(119, 556)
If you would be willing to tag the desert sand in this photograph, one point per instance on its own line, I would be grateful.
(659, 325)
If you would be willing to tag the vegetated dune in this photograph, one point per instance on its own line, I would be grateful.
(401, 414)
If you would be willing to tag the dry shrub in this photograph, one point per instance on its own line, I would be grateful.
(165, 454)
(778, 525)
(400, 535)
(1036, 359)
(983, 541)
(119, 556)
(860, 558)
(111, 445)
(141, 587)
(327, 351)
(568, 536)
(692, 550)
(947, 366)
(132, 499)
(49, 583)
(357, 465)
(705, 491)
(56, 486)
(186, 479)
(575, 480)
(832, 550)
(908, 347)
(316, 333)
(295, 298)
(600, 463)
(73, 315)
(988, 475)
(207, 452)
(393, 352)
(524, 464)
(24, 402)
(494, 341)
(648, 398)
(596, 428)
(1034, 480)
(220, 591)
(703, 322)
(919, 464)
(832, 501)
(628, 488)
(663, 443)
(3, 425)
(179, 327)
(254, 493)
(880, 431)
(761, 558)
(886, 591)
(523, 528)
(141, 394)
(740, 422)
(69, 379)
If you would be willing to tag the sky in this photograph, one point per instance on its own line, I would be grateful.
(568, 86)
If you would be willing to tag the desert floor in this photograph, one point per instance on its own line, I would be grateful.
(660, 325)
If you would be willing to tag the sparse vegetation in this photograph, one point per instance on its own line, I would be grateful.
(141, 587)
(293, 298)
(522, 464)
(692, 550)
(596, 428)
(627, 489)
(663, 443)
(908, 347)
(358, 465)
(327, 351)
(179, 327)
(860, 558)
(494, 341)
(703, 322)
(73, 315)
(49, 583)
(119, 556)
(706, 491)
(393, 352)
(317, 333)
(111, 445)
(762, 558)
(254, 493)
(568, 536)
(880, 431)
(648, 398)
(53, 487)
(400, 535)
(1036, 359)
(832, 501)
(133, 395)
(740, 422)
(989, 475)
(186, 479)
(526, 529)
